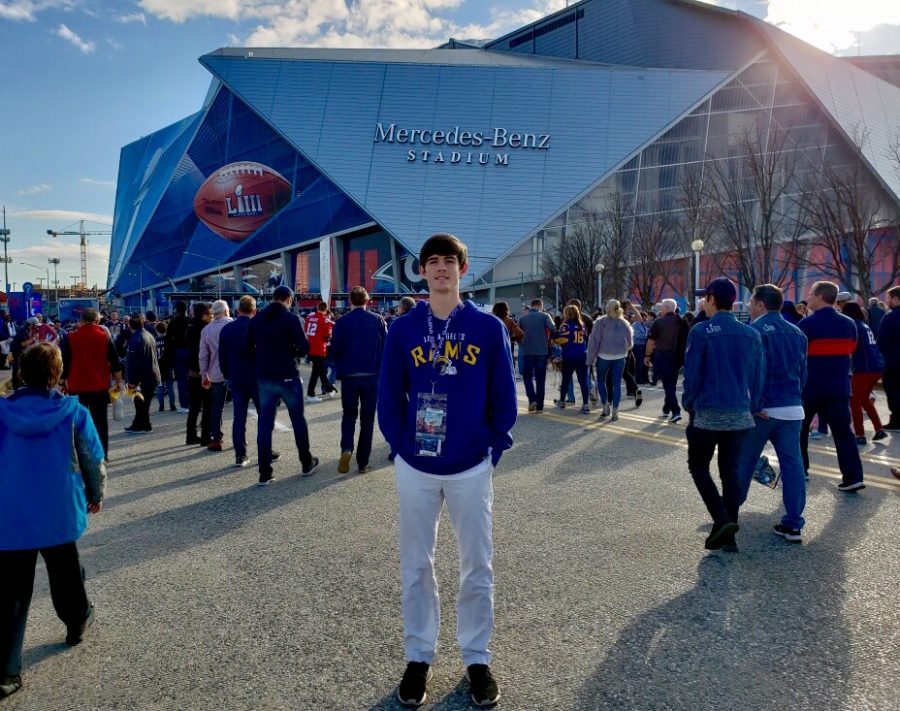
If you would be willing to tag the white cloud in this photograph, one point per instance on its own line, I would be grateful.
(115, 44)
(832, 24)
(26, 10)
(350, 23)
(68, 251)
(63, 215)
(181, 10)
(133, 17)
(35, 189)
(69, 36)
(98, 183)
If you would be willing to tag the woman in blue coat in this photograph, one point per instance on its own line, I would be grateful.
(53, 474)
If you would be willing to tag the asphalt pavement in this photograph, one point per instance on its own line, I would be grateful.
(212, 593)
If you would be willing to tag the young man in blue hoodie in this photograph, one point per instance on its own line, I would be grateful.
(446, 405)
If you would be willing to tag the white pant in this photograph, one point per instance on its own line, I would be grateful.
(469, 496)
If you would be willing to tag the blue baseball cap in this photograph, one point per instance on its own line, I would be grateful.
(721, 289)
(282, 293)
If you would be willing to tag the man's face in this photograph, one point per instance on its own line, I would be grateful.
(442, 273)
(114, 316)
(757, 308)
(813, 302)
(709, 306)
(894, 302)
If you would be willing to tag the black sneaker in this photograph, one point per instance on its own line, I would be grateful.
(76, 632)
(861, 441)
(880, 435)
(729, 545)
(241, 461)
(789, 534)
(855, 486)
(275, 456)
(485, 691)
(638, 397)
(720, 535)
(413, 689)
(265, 479)
(9, 685)
(308, 470)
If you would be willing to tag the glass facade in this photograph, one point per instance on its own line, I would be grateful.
(764, 103)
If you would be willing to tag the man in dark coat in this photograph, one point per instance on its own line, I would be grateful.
(142, 370)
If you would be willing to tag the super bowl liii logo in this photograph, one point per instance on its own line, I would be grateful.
(454, 146)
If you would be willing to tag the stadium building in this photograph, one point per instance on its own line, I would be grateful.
(327, 168)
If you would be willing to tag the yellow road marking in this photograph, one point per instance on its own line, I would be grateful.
(661, 438)
(878, 459)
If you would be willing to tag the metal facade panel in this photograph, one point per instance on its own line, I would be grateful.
(594, 117)
(145, 169)
(860, 103)
(643, 33)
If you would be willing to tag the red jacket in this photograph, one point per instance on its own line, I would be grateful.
(318, 331)
(89, 359)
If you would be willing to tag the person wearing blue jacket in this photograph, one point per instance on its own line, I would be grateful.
(780, 415)
(238, 366)
(868, 367)
(832, 339)
(572, 338)
(724, 376)
(277, 339)
(357, 344)
(53, 474)
(889, 344)
(446, 405)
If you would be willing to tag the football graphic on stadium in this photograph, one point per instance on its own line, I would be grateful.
(239, 198)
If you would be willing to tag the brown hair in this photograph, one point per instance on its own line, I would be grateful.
(500, 309)
(359, 296)
(246, 305)
(41, 365)
(826, 291)
(444, 245)
(322, 306)
(855, 311)
(572, 313)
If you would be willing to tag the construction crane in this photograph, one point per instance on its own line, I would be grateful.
(83, 234)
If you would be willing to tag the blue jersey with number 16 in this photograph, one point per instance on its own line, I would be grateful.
(573, 339)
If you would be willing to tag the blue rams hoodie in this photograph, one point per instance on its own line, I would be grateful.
(52, 465)
(481, 396)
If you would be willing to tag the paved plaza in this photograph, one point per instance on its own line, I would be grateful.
(212, 593)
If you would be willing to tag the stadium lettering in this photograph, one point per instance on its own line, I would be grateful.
(496, 137)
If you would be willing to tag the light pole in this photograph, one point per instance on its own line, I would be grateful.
(4, 235)
(40, 269)
(522, 287)
(55, 262)
(557, 280)
(697, 247)
(598, 267)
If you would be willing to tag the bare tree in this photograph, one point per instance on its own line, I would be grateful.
(848, 218)
(616, 217)
(599, 238)
(655, 244)
(697, 217)
(755, 214)
(573, 257)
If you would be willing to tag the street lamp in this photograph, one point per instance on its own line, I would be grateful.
(55, 262)
(697, 247)
(557, 280)
(4, 237)
(598, 267)
(40, 269)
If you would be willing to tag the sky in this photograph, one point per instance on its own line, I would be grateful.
(79, 79)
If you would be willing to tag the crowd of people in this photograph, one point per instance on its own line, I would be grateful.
(438, 375)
